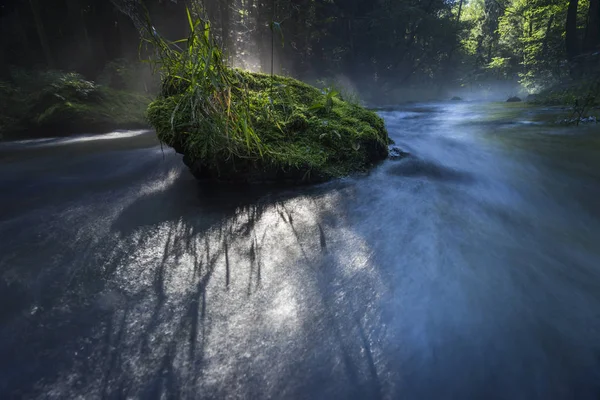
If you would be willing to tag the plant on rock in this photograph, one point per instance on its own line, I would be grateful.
(239, 126)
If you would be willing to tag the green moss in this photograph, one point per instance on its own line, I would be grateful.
(53, 102)
(297, 132)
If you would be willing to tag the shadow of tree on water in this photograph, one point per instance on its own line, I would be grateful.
(203, 291)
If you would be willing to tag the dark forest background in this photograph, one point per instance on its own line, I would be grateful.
(400, 48)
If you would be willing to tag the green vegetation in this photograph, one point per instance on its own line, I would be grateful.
(54, 102)
(549, 47)
(240, 126)
(383, 52)
(576, 93)
(392, 51)
(290, 133)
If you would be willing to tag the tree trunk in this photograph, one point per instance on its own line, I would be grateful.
(77, 22)
(547, 35)
(460, 6)
(209, 10)
(39, 24)
(226, 36)
(263, 20)
(129, 37)
(249, 12)
(571, 42)
(22, 35)
(592, 34)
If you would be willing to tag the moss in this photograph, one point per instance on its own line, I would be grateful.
(57, 103)
(303, 134)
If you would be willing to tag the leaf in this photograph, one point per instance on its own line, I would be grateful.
(189, 16)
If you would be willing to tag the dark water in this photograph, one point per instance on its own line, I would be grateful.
(470, 270)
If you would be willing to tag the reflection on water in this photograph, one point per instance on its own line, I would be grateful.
(469, 270)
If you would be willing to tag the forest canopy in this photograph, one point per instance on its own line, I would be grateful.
(400, 48)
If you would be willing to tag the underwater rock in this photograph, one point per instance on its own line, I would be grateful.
(395, 153)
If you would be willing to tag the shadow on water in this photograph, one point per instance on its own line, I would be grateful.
(414, 168)
(182, 295)
(121, 277)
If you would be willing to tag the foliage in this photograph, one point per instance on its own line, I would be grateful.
(124, 74)
(582, 96)
(326, 103)
(341, 87)
(64, 102)
(389, 50)
(525, 40)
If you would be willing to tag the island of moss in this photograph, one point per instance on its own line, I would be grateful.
(293, 132)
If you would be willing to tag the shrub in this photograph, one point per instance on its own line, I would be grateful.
(56, 102)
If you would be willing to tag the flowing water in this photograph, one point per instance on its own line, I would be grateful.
(469, 270)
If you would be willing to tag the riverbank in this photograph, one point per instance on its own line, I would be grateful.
(55, 103)
(580, 93)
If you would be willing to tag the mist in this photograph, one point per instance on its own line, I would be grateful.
(317, 42)
(300, 199)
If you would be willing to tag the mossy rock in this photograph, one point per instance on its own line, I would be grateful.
(305, 135)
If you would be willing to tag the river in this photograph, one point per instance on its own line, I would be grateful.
(469, 270)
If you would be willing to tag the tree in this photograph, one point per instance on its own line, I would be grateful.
(592, 35)
(380, 45)
(41, 31)
(571, 41)
(226, 34)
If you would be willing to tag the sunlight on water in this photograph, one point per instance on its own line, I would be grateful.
(59, 141)
(474, 254)
(284, 314)
(201, 278)
(161, 184)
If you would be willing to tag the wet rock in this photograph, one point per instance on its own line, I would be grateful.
(395, 153)
(514, 99)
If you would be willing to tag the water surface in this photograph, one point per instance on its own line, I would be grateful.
(469, 270)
